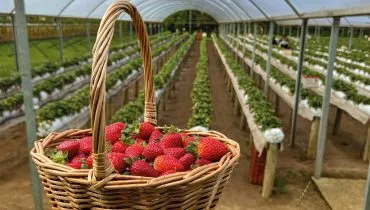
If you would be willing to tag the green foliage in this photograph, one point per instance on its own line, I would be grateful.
(263, 111)
(201, 92)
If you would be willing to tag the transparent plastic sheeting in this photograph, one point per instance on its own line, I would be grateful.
(356, 21)
(221, 10)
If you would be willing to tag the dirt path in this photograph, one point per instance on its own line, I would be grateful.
(239, 193)
(179, 106)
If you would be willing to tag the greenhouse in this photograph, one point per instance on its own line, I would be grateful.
(185, 104)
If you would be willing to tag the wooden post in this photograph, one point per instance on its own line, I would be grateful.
(125, 96)
(136, 88)
(242, 122)
(236, 105)
(367, 145)
(312, 142)
(277, 103)
(270, 169)
(338, 118)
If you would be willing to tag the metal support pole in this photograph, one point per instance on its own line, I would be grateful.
(131, 30)
(326, 102)
(290, 31)
(283, 30)
(297, 32)
(151, 28)
(318, 34)
(245, 34)
(120, 32)
(350, 38)
(268, 64)
(60, 35)
(159, 29)
(24, 64)
(367, 191)
(88, 38)
(297, 94)
(278, 30)
(254, 44)
(249, 28)
(190, 20)
(14, 43)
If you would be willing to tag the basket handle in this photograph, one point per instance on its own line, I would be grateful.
(102, 167)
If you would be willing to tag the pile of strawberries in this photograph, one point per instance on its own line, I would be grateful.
(142, 150)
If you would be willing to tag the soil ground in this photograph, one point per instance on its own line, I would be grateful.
(342, 155)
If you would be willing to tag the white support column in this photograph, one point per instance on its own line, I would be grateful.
(268, 64)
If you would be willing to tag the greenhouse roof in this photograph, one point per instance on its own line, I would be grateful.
(221, 10)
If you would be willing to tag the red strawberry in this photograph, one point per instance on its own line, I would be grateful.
(75, 165)
(113, 132)
(187, 139)
(166, 162)
(171, 140)
(89, 161)
(187, 160)
(176, 152)
(143, 168)
(78, 157)
(202, 162)
(69, 147)
(139, 141)
(117, 161)
(211, 149)
(134, 150)
(119, 146)
(145, 130)
(155, 136)
(151, 151)
(86, 145)
(168, 172)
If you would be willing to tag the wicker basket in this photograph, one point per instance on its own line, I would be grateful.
(102, 187)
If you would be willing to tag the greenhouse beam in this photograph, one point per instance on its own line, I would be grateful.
(367, 191)
(88, 37)
(21, 37)
(297, 94)
(254, 47)
(14, 42)
(326, 101)
(268, 64)
(60, 36)
(350, 38)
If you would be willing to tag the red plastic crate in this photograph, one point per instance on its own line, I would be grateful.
(257, 166)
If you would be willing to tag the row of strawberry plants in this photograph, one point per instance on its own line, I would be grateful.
(134, 110)
(43, 71)
(342, 89)
(201, 92)
(310, 100)
(51, 116)
(263, 111)
(68, 81)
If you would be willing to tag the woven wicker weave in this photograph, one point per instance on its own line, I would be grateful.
(102, 187)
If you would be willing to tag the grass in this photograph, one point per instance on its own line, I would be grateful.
(47, 50)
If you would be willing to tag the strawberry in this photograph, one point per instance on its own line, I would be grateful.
(69, 147)
(75, 165)
(78, 157)
(168, 172)
(166, 162)
(143, 168)
(86, 145)
(139, 141)
(145, 130)
(171, 140)
(187, 160)
(113, 132)
(202, 162)
(151, 151)
(187, 139)
(155, 136)
(89, 161)
(176, 152)
(117, 161)
(119, 146)
(211, 149)
(134, 150)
